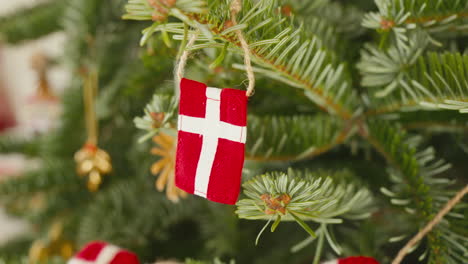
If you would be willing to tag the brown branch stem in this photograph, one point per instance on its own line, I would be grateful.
(417, 200)
(396, 107)
(424, 19)
(423, 232)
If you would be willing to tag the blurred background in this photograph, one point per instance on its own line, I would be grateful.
(18, 82)
(53, 52)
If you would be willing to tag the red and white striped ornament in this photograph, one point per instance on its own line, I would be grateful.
(353, 260)
(211, 141)
(98, 252)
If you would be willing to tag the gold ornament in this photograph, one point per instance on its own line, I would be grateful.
(54, 245)
(93, 162)
(38, 252)
(165, 166)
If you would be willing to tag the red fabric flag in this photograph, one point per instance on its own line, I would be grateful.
(98, 252)
(353, 260)
(211, 141)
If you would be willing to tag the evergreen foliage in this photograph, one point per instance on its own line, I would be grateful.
(32, 23)
(351, 98)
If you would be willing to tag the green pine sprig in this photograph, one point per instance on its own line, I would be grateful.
(287, 138)
(434, 16)
(303, 196)
(405, 78)
(160, 113)
(272, 38)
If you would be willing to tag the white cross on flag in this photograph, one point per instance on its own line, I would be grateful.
(211, 141)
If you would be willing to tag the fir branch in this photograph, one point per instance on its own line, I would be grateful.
(321, 197)
(272, 39)
(32, 23)
(404, 80)
(440, 215)
(159, 113)
(415, 185)
(289, 138)
(438, 126)
(343, 19)
(436, 121)
(303, 7)
(433, 15)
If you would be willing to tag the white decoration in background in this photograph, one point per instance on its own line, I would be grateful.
(41, 115)
(11, 228)
(20, 80)
(13, 165)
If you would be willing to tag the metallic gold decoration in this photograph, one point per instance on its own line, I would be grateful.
(93, 162)
(165, 166)
(53, 245)
(38, 252)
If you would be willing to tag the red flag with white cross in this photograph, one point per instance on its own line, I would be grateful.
(211, 141)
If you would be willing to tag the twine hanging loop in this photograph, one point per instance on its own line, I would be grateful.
(235, 8)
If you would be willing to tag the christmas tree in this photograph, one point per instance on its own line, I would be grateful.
(356, 133)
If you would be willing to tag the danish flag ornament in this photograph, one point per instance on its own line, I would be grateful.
(353, 260)
(98, 252)
(211, 141)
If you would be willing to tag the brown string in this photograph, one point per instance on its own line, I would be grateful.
(89, 95)
(184, 56)
(236, 7)
(450, 204)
